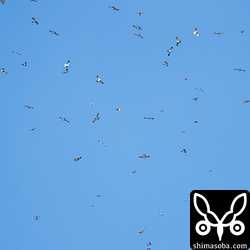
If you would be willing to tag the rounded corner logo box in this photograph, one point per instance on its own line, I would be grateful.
(220, 219)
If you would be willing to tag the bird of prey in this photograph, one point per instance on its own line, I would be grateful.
(148, 118)
(170, 51)
(64, 119)
(246, 101)
(196, 32)
(149, 243)
(2, 1)
(3, 71)
(133, 172)
(28, 107)
(33, 129)
(14, 52)
(240, 70)
(184, 150)
(195, 98)
(96, 118)
(113, 8)
(219, 33)
(24, 64)
(54, 32)
(144, 156)
(34, 20)
(118, 109)
(140, 13)
(137, 27)
(195, 121)
(139, 35)
(177, 41)
(210, 171)
(36, 217)
(165, 63)
(77, 158)
(66, 66)
(199, 89)
(99, 80)
(142, 230)
(98, 196)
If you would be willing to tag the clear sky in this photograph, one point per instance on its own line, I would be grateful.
(39, 176)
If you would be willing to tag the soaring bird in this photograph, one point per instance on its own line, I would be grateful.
(177, 41)
(165, 63)
(137, 27)
(66, 66)
(195, 98)
(139, 35)
(161, 110)
(3, 71)
(15, 52)
(219, 33)
(99, 80)
(113, 8)
(210, 171)
(28, 107)
(196, 32)
(199, 89)
(240, 69)
(24, 64)
(184, 150)
(148, 118)
(149, 243)
(133, 172)
(96, 118)
(246, 101)
(64, 119)
(2, 1)
(144, 156)
(186, 78)
(118, 109)
(36, 217)
(170, 51)
(77, 158)
(142, 230)
(242, 31)
(34, 20)
(54, 32)
(34, 1)
(195, 121)
(33, 129)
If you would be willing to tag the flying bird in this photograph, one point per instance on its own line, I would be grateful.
(196, 32)
(133, 172)
(161, 110)
(77, 158)
(247, 101)
(186, 78)
(113, 8)
(139, 35)
(177, 41)
(99, 80)
(28, 107)
(195, 121)
(137, 27)
(195, 98)
(96, 118)
(242, 31)
(165, 63)
(98, 196)
(54, 32)
(219, 33)
(183, 131)
(144, 156)
(3, 71)
(64, 119)
(66, 66)
(34, 1)
(24, 64)
(140, 13)
(199, 89)
(210, 171)
(184, 150)
(2, 1)
(34, 20)
(148, 118)
(118, 109)
(33, 129)
(170, 51)
(149, 243)
(36, 217)
(240, 69)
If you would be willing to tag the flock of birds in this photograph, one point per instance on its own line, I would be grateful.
(99, 80)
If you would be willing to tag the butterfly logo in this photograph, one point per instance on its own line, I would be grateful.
(236, 227)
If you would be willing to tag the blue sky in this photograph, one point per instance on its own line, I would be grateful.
(38, 174)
